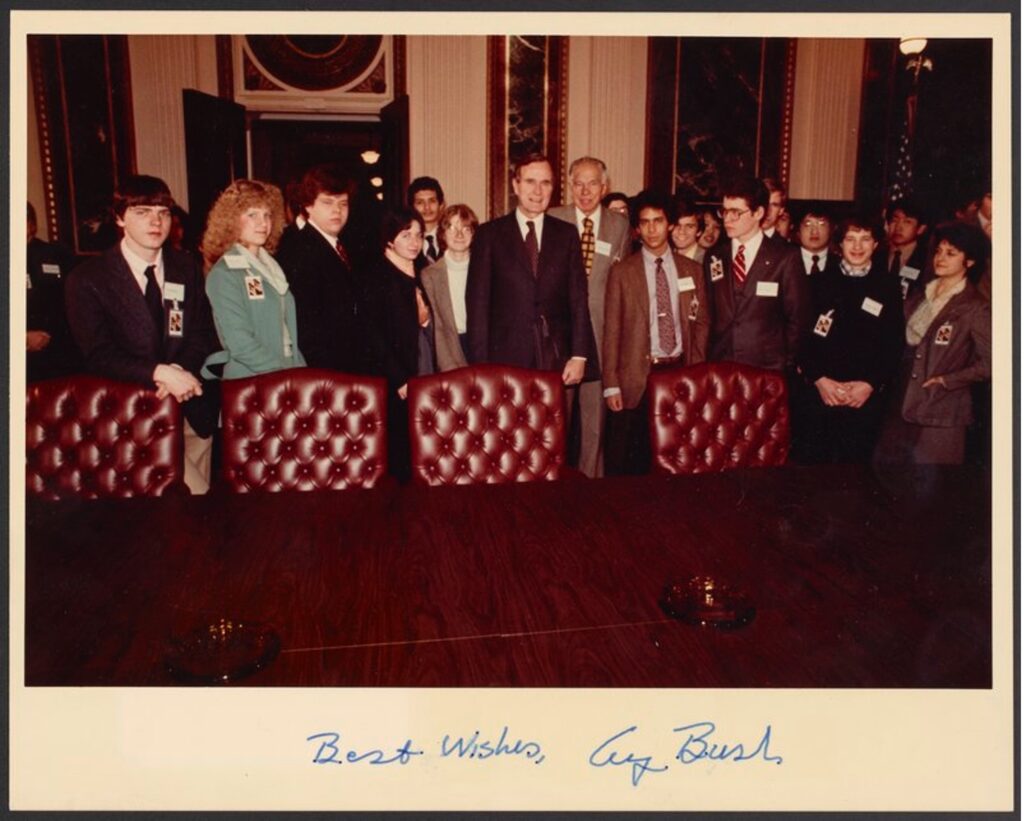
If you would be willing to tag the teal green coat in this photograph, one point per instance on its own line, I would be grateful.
(250, 330)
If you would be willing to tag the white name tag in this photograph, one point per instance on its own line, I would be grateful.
(686, 284)
(767, 289)
(51, 268)
(236, 261)
(824, 324)
(906, 272)
(871, 306)
(603, 248)
(174, 291)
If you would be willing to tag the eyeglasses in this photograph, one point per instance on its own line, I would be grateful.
(810, 222)
(732, 213)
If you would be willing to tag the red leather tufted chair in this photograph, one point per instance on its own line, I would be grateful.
(486, 424)
(92, 438)
(717, 415)
(303, 429)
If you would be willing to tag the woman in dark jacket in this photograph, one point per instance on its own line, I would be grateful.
(948, 348)
(850, 353)
(399, 326)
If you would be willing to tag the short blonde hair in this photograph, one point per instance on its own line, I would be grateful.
(222, 228)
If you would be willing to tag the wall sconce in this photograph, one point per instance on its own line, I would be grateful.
(370, 156)
(376, 182)
(380, 195)
(913, 47)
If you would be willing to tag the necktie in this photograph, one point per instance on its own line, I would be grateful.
(341, 251)
(897, 263)
(815, 269)
(155, 301)
(587, 244)
(739, 267)
(532, 248)
(666, 327)
(431, 249)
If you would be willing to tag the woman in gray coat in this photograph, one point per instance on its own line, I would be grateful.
(949, 347)
(445, 285)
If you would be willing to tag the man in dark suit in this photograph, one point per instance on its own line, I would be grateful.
(814, 232)
(139, 313)
(318, 265)
(51, 351)
(757, 287)
(426, 197)
(907, 257)
(656, 316)
(526, 296)
(604, 240)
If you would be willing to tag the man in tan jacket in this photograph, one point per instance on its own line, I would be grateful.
(655, 317)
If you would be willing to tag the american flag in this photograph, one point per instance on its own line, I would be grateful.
(903, 181)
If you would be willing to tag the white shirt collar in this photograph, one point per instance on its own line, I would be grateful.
(808, 262)
(538, 223)
(750, 247)
(138, 265)
(595, 218)
(332, 241)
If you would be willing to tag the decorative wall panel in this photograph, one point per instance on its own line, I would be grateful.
(339, 73)
(526, 110)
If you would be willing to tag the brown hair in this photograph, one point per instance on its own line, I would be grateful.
(222, 227)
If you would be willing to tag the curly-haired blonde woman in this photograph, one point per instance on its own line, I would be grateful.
(253, 309)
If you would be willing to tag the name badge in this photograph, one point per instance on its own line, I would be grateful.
(51, 268)
(767, 289)
(871, 306)
(944, 335)
(174, 291)
(717, 270)
(603, 248)
(824, 324)
(694, 307)
(236, 261)
(905, 288)
(175, 322)
(686, 284)
(254, 287)
(906, 272)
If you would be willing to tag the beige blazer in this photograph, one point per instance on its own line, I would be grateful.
(447, 350)
(627, 324)
(614, 230)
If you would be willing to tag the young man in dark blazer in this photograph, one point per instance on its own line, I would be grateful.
(139, 313)
(320, 272)
(757, 288)
(526, 296)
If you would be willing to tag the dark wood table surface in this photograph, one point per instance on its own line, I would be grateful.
(857, 582)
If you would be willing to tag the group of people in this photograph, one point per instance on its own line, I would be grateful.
(870, 333)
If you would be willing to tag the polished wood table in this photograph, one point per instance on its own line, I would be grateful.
(857, 582)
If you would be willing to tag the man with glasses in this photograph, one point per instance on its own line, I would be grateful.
(815, 234)
(757, 288)
(139, 313)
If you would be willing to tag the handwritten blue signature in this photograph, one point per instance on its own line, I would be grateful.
(698, 746)
(476, 746)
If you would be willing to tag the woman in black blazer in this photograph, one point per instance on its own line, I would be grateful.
(850, 353)
(399, 326)
(948, 348)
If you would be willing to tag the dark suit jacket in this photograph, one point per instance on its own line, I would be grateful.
(48, 267)
(509, 311)
(860, 345)
(965, 358)
(760, 330)
(394, 329)
(328, 295)
(627, 323)
(114, 329)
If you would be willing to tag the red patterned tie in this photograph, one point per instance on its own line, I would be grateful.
(739, 266)
(341, 251)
